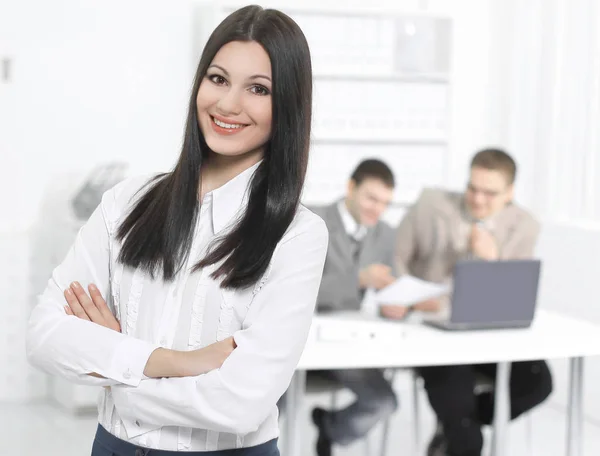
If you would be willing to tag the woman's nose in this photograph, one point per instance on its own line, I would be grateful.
(230, 103)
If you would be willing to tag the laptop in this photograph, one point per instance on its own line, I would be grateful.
(492, 295)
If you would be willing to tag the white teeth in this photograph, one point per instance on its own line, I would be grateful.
(226, 125)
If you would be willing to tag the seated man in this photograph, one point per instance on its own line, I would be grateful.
(441, 228)
(360, 256)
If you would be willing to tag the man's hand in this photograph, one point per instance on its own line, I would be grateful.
(483, 244)
(393, 311)
(398, 312)
(376, 276)
(90, 307)
(431, 305)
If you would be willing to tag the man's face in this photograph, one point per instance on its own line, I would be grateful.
(488, 192)
(367, 202)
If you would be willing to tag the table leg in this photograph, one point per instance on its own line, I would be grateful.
(293, 432)
(575, 408)
(501, 409)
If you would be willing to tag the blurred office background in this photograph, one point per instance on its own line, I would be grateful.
(93, 91)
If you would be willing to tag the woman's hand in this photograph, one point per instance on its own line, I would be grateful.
(90, 307)
(162, 362)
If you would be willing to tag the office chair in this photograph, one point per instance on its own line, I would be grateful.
(483, 384)
(319, 385)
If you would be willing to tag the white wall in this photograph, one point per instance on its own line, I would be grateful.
(92, 82)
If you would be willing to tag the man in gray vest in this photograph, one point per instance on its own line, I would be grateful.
(360, 256)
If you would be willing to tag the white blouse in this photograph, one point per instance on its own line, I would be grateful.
(232, 407)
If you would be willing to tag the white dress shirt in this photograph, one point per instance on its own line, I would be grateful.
(232, 407)
(353, 229)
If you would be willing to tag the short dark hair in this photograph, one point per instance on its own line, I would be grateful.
(497, 160)
(373, 169)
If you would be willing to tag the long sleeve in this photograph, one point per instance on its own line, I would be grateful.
(73, 348)
(239, 396)
(406, 240)
(521, 243)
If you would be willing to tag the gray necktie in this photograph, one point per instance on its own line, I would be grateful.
(355, 245)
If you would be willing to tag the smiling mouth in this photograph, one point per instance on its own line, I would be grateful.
(227, 126)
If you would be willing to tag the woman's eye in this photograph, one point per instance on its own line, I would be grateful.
(217, 79)
(259, 90)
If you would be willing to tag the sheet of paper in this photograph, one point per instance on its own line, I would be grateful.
(409, 290)
(369, 305)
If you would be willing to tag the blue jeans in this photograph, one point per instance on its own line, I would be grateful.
(106, 444)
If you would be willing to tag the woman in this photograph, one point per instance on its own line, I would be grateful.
(211, 271)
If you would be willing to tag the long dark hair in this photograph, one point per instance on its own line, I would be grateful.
(157, 233)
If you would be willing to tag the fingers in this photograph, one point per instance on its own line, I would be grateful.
(107, 316)
(90, 307)
(394, 312)
(86, 302)
(388, 279)
(431, 305)
(73, 303)
(383, 281)
(81, 304)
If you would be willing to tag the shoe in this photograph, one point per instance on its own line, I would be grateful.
(438, 445)
(323, 442)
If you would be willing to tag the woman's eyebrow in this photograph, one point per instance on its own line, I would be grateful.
(254, 76)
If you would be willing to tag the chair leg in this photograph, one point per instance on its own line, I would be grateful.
(529, 433)
(282, 422)
(384, 437)
(334, 401)
(528, 423)
(386, 424)
(334, 404)
(416, 412)
(367, 444)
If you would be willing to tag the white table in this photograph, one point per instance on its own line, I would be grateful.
(352, 341)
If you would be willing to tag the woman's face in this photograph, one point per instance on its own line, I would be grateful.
(234, 100)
